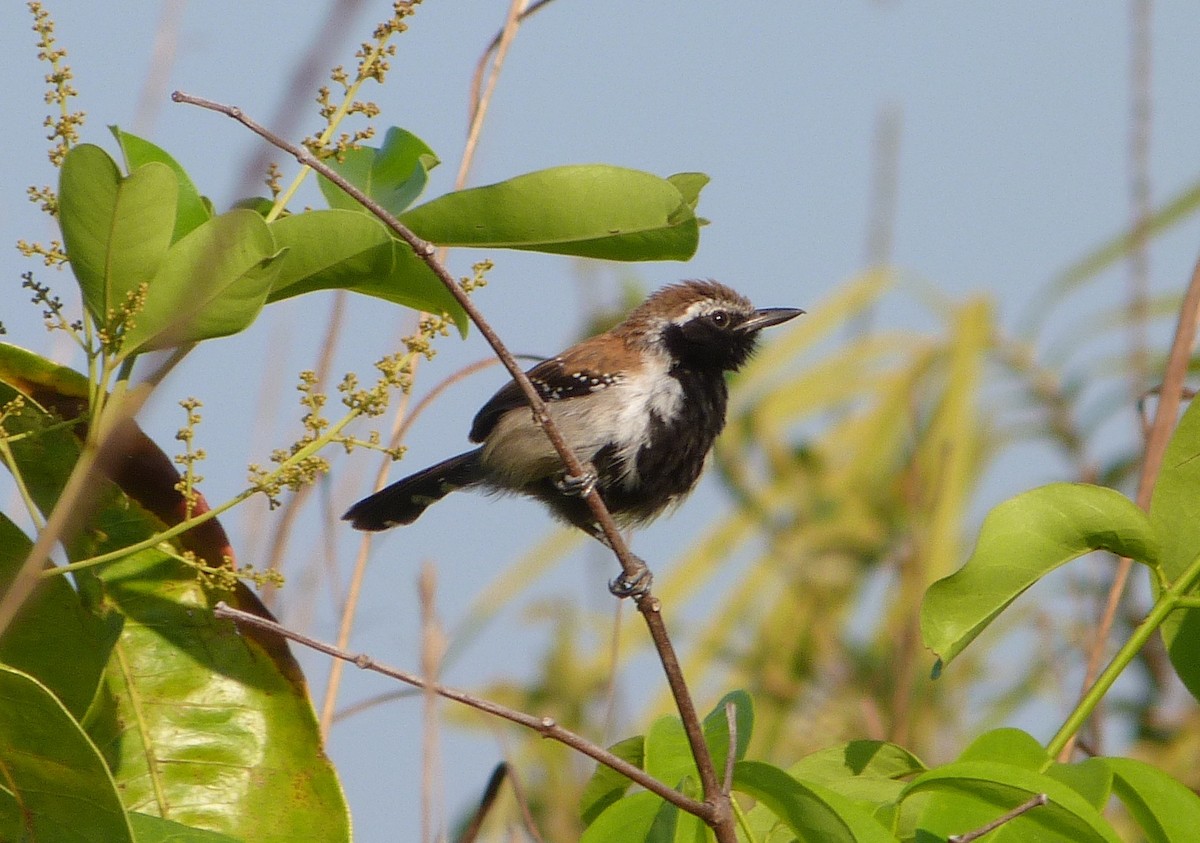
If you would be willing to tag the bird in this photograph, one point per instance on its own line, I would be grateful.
(640, 405)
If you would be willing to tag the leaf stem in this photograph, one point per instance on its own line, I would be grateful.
(1170, 600)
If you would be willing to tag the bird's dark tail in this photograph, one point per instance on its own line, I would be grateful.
(405, 500)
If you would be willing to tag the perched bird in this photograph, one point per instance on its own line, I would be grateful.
(640, 405)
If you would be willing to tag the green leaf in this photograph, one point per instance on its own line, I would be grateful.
(52, 638)
(668, 755)
(969, 794)
(116, 230)
(345, 250)
(606, 785)
(1009, 745)
(394, 175)
(689, 186)
(1173, 514)
(190, 209)
(813, 813)
(688, 827)
(868, 772)
(151, 829)
(871, 759)
(629, 819)
(206, 699)
(594, 211)
(1022, 540)
(23, 370)
(260, 205)
(60, 785)
(1167, 811)
(1091, 778)
(48, 455)
(213, 283)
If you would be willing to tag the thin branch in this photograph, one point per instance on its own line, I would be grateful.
(720, 817)
(433, 647)
(481, 65)
(1023, 808)
(544, 726)
(479, 102)
(1165, 419)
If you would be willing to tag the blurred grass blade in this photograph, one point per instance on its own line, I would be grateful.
(1175, 210)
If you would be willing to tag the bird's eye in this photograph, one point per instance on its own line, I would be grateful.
(719, 318)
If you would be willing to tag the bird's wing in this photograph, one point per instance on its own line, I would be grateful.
(553, 379)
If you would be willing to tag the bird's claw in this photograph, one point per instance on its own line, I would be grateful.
(577, 485)
(634, 584)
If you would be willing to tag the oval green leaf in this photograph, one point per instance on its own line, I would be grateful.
(1009, 745)
(205, 697)
(116, 230)
(626, 820)
(868, 772)
(1022, 540)
(813, 813)
(1167, 811)
(346, 250)
(668, 755)
(60, 785)
(394, 174)
(1173, 514)
(151, 829)
(212, 283)
(606, 785)
(969, 794)
(52, 638)
(593, 211)
(190, 210)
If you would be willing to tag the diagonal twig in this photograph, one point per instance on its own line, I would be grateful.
(544, 726)
(1024, 808)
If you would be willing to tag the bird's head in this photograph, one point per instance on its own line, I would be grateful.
(701, 324)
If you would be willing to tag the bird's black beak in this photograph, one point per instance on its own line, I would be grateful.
(765, 317)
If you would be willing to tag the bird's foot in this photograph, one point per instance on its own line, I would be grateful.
(633, 584)
(578, 485)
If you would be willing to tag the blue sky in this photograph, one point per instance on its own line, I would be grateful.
(1012, 163)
